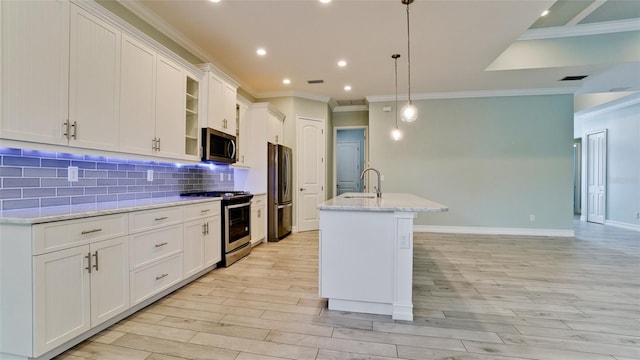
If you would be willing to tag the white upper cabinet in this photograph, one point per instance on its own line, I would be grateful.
(221, 102)
(243, 142)
(35, 70)
(94, 82)
(275, 128)
(170, 109)
(137, 97)
(75, 75)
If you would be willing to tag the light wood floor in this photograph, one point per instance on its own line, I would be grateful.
(475, 297)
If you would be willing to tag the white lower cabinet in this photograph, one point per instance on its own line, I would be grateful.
(202, 237)
(78, 288)
(65, 280)
(258, 218)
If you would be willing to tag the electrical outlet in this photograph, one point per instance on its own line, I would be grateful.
(72, 173)
(532, 217)
(149, 175)
(221, 177)
(228, 177)
(405, 243)
(381, 177)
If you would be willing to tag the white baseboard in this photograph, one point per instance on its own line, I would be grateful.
(619, 224)
(493, 231)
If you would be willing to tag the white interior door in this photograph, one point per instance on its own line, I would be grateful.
(596, 176)
(310, 166)
(348, 167)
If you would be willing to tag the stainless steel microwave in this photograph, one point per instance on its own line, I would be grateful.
(218, 147)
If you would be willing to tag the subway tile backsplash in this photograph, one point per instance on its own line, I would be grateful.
(30, 178)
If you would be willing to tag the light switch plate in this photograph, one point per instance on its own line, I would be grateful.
(72, 173)
(149, 175)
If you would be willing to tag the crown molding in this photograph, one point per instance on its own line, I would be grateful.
(608, 107)
(298, 94)
(476, 94)
(606, 27)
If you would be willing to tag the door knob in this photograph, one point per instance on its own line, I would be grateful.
(302, 189)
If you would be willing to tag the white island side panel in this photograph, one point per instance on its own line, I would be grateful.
(356, 256)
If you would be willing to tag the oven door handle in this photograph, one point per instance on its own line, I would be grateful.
(235, 206)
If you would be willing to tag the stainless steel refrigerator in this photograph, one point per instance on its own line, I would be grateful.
(279, 192)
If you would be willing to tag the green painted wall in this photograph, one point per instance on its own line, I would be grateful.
(493, 161)
(351, 118)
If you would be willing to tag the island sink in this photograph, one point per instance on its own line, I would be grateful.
(360, 196)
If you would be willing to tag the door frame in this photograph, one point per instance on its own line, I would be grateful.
(296, 208)
(585, 174)
(334, 161)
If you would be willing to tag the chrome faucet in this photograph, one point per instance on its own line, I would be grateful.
(379, 188)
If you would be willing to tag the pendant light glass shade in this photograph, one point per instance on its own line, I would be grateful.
(409, 112)
(396, 134)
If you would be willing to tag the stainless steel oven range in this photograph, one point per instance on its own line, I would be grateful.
(236, 223)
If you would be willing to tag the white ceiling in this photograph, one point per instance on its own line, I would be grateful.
(452, 44)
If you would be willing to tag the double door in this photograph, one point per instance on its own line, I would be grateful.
(78, 288)
(71, 98)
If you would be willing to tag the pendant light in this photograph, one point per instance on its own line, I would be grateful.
(396, 134)
(409, 112)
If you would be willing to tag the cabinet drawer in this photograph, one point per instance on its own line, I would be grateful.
(152, 279)
(199, 211)
(63, 234)
(258, 200)
(151, 219)
(150, 246)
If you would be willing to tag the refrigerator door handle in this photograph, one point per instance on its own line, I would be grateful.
(283, 206)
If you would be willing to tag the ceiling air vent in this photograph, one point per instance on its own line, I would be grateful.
(315, 81)
(573, 78)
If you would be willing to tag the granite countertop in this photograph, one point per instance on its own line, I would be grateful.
(69, 212)
(388, 202)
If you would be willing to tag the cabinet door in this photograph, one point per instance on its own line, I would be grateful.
(243, 142)
(213, 241)
(35, 70)
(258, 230)
(137, 97)
(275, 130)
(194, 233)
(62, 297)
(229, 98)
(94, 82)
(215, 115)
(109, 279)
(170, 116)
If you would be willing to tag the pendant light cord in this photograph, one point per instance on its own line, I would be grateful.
(409, 51)
(395, 58)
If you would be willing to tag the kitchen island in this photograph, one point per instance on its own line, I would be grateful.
(366, 252)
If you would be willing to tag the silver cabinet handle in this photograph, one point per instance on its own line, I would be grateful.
(85, 232)
(153, 144)
(75, 130)
(95, 266)
(66, 125)
(88, 257)
(161, 244)
(162, 276)
(161, 218)
(158, 144)
(205, 210)
(204, 229)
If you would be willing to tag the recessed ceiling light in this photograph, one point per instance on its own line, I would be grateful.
(342, 63)
(286, 81)
(261, 52)
(325, 1)
(215, 1)
(347, 88)
(545, 13)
